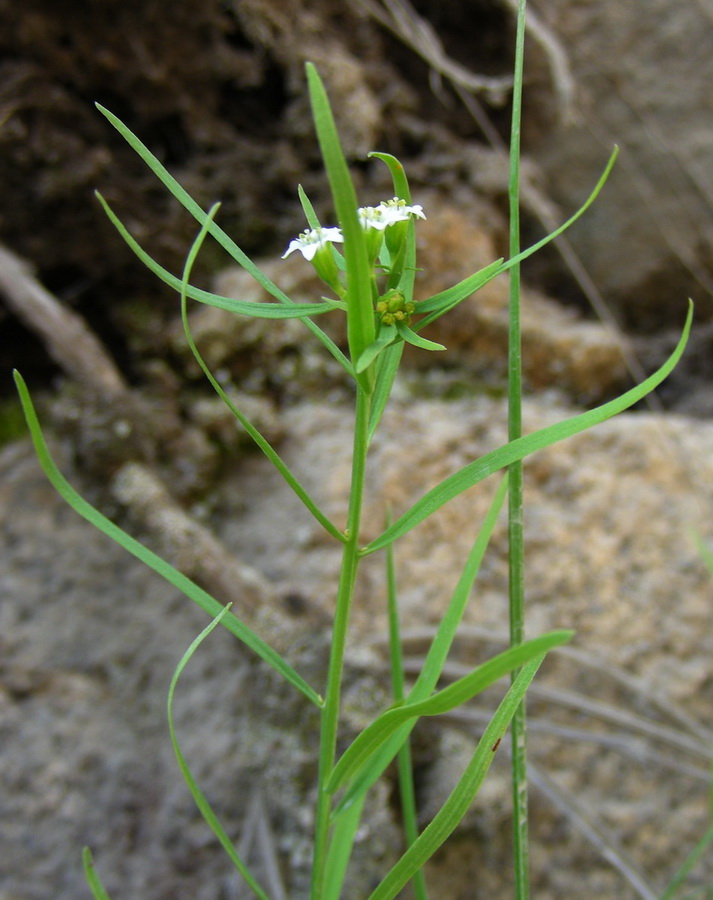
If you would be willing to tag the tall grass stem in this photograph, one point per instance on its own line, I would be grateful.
(515, 497)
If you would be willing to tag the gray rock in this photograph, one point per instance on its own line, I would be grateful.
(90, 640)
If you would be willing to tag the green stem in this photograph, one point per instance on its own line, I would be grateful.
(515, 497)
(407, 791)
(345, 594)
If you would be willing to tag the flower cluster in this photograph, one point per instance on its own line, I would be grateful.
(386, 231)
(377, 218)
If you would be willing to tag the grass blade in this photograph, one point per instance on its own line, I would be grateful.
(195, 593)
(198, 796)
(679, 879)
(481, 468)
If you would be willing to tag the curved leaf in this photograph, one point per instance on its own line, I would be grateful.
(451, 813)
(462, 690)
(226, 242)
(518, 449)
(200, 597)
(412, 338)
(241, 307)
(387, 336)
(198, 796)
(263, 444)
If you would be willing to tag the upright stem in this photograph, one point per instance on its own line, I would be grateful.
(345, 593)
(515, 497)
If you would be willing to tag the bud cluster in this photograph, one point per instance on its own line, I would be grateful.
(393, 307)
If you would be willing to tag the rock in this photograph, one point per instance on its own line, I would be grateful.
(642, 86)
(90, 639)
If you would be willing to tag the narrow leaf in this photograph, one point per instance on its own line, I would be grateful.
(387, 365)
(441, 303)
(228, 244)
(438, 304)
(240, 307)
(341, 843)
(412, 338)
(437, 654)
(398, 174)
(387, 335)
(90, 873)
(497, 459)
(404, 268)
(462, 690)
(308, 209)
(253, 432)
(681, 876)
(360, 316)
(456, 806)
(198, 796)
(448, 627)
(200, 597)
(404, 762)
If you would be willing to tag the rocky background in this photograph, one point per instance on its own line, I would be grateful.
(621, 724)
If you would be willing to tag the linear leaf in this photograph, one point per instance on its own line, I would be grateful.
(436, 656)
(240, 307)
(441, 303)
(198, 796)
(387, 365)
(446, 300)
(252, 432)
(195, 593)
(462, 690)
(387, 336)
(456, 806)
(412, 338)
(340, 850)
(360, 314)
(518, 449)
(404, 267)
(228, 244)
(90, 873)
(448, 627)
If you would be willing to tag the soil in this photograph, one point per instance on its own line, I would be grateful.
(217, 92)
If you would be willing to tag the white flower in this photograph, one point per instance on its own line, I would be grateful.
(396, 210)
(373, 217)
(310, 241)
